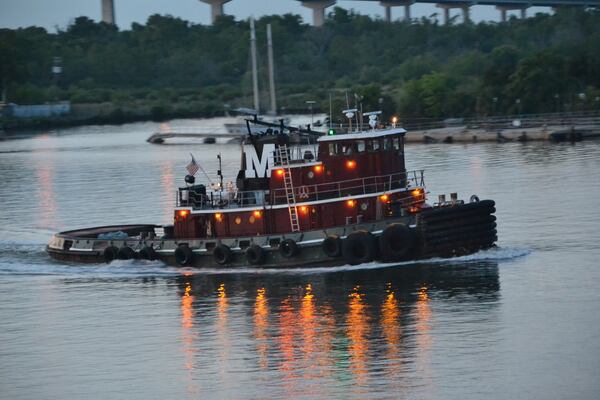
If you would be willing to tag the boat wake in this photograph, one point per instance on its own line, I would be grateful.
(31, 259)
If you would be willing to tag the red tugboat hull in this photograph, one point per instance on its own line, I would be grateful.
(438, 232)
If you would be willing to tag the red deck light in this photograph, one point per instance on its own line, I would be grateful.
(318, 169)
(304, 210)
(183, 213)
(279, 172)
(384, 197)
(417, 192)
(257, 214)
(219, 217)
(351, 164)
(351, 203)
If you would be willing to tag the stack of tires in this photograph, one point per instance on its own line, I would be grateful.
(457, 230)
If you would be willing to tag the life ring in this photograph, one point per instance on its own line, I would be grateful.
(222, 254)
(396, 242)
(288, 248)
(303, 192)
(184, 255)
(332, 246)
(126, 253)
(255, 255)
(474, 199)
(359, 247)
(148, 253)
(110, 253)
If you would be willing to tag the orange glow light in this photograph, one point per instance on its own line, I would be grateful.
(384, 197)
(417, 192)
(318, 168)
(219, 217)
(351, 203)
(279, 172)
(351, 164)
(304, 210)
(183, 213)
(257, 214)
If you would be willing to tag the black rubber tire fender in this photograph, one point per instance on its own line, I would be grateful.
(222, 254)
(457, 223)
(255, 255)
(461, 230)
(110, 253)
(288, 248)
(332, 246)
(148, 253)
(396, 242)
(438, 214)
(184, 255)
(126, 253)
(359, 247)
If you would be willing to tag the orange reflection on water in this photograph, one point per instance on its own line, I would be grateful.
(261, 324)
(390, 324)
(188, 335)
(287, 327)
(424, 339)
(167, 181)
(46, 196)
(358, 329)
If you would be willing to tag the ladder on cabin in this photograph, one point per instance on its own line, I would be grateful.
(289, 187)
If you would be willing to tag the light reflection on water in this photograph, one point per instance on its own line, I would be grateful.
(517, 322)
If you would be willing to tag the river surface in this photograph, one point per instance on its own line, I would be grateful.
(518, 322)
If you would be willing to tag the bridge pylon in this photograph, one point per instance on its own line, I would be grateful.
(216, 7)
(388, 4)
(465, 7)
(318, 7)
(108, 11)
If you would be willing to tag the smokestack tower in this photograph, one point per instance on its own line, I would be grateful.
(108, 11)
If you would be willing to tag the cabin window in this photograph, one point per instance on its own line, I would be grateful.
(369, 145)
(360, 146)
(387, 144)
(396, 143)
(347, 149)
(376, 144)
(332, 149)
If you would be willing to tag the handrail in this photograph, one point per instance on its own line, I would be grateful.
(187, 197)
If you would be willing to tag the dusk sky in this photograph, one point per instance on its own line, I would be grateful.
(59, 13)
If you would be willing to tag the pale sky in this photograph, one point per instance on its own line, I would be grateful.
(59, 13)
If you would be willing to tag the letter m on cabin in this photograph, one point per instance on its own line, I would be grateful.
(258, 167)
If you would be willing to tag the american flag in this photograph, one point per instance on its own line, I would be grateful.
(192, 167)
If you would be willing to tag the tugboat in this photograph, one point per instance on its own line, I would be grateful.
(345, 198)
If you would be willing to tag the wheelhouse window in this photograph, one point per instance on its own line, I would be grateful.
(360, 146)
(387, 144)
(376, 145)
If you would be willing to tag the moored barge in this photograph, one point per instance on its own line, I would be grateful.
(345, 199)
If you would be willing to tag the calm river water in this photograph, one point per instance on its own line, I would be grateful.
(518, 322)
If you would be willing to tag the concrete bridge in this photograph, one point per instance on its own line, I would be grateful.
(319, 6)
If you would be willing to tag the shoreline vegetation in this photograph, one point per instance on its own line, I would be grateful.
(170, 68)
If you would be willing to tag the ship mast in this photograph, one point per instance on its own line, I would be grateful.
(271, 71)
(254, 66)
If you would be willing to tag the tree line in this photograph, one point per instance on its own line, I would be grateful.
(423, 69)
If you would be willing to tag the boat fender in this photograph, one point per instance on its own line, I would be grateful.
(148, 253)
(110, 253)
(126, 253)
(396, 242)
(474, 199)
(288, 248)
(359, 247)
(255, 255)
(222, 254)
(184, 255)
(332, 246)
